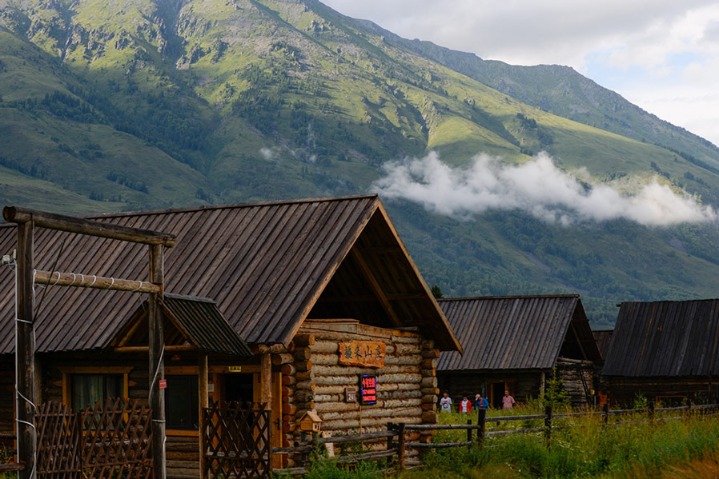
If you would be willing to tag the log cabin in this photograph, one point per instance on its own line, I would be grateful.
(297, 305)
(517, 343)
(664, 351)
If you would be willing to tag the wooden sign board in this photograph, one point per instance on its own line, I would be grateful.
(369, 354)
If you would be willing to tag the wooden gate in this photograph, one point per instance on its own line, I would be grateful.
(236, 440)
(105, 441)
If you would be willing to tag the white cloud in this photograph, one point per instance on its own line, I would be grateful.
(538, 187)
(267, 153)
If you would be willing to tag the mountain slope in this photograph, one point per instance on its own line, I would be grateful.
(165, 103)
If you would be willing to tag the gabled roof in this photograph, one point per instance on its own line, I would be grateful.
(267, 266)
(195, 321)
(517, 332)
(665, 339)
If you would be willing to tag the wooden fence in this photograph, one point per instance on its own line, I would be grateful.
(108, 440)
(236, 440)
(492, 427)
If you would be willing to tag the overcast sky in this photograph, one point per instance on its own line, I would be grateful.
(662, 55)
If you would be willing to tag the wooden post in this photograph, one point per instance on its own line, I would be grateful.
(548, 426)
(156, 365)
(605, 412)
(482, 423)
(266, 379)
(391, 444)
(400, 446)
(469, 434)
(650, 410)
(25, 351)
(203, 390)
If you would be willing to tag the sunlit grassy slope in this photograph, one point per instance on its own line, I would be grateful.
(155, 104)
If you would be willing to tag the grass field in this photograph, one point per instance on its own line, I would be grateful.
(631, 447)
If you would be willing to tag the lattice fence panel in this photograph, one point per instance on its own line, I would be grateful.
(111, 440)
(117, 440)
(57, 445)
(237, 440)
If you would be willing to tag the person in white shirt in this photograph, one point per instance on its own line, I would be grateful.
(445, 404)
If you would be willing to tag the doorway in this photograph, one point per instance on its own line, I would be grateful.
(238, 387)
(497, 394)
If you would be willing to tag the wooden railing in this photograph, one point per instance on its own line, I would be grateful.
(396, 445)
(317, 443)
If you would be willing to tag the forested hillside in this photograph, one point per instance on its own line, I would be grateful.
(171, 103)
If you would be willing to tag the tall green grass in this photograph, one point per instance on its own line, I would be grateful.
(630, 447)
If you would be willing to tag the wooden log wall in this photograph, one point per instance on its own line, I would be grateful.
(183, 460)
(571, 372)
(623, 391)
(315, 380)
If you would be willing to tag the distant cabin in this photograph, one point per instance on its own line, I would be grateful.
(664, 351)
(516, 343)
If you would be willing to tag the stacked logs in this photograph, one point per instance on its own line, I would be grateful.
(406, 384)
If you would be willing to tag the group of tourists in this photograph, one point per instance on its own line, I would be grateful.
(465, 405)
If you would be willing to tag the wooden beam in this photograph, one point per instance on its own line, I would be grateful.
(170, 348)
(264, 348)
(25, 352)
(364, 267)
(266, 379)
(14, 214)
(56, 278)
(369, 297)
(203, 402)
(576, 338)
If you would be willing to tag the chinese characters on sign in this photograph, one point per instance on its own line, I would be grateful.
(362, 353)
(368, 389)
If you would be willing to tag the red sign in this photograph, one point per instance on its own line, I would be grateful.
(368, 389)
(163, 383)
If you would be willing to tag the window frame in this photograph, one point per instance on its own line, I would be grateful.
(69, 371)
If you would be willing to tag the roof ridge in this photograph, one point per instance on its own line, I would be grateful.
(513, 296)
(191, 209)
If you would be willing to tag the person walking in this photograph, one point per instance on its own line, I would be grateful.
(507, 401)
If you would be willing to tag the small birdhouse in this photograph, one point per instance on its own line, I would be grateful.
(310, 422)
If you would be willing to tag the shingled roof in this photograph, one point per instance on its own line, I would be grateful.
(665, 339)
(267, 267)
(517, 332)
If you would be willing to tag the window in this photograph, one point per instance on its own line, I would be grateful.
(86, 389)
(83, 385)
(181, 402)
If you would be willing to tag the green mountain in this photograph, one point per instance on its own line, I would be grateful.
(108, 106)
